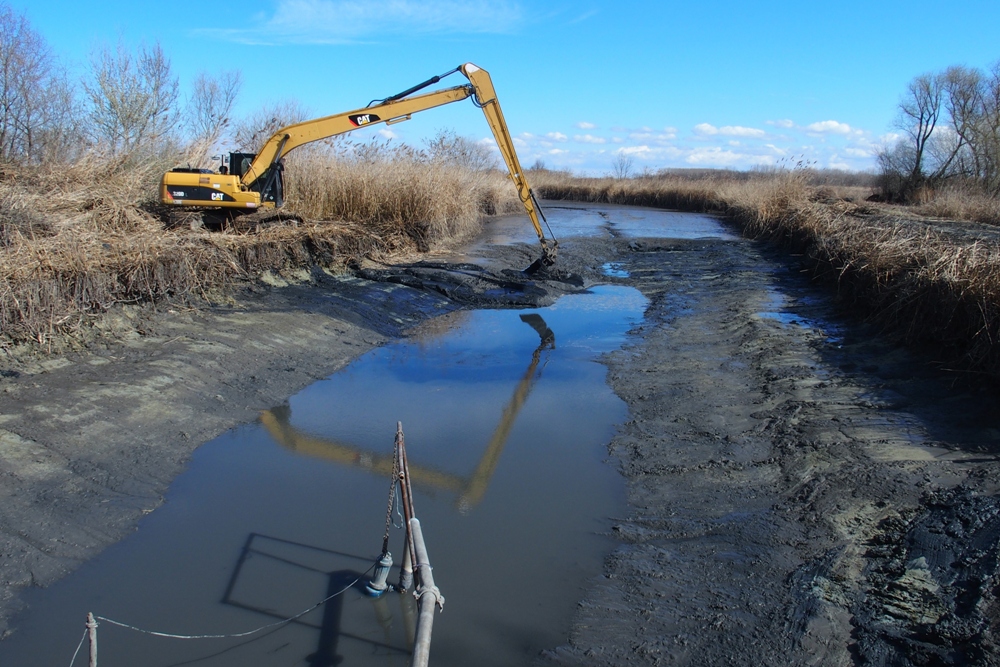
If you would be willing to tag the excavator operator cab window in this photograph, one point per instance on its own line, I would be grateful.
(239, 163)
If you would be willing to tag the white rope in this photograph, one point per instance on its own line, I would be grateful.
(238, 634)
(78, 647)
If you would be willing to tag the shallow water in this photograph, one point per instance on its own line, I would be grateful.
(505, 431)
(582, 219)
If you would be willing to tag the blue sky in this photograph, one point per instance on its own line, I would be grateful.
(672, 84)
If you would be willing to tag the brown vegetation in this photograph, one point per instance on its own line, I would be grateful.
(393, 189)
(924, 281)
(79, 239)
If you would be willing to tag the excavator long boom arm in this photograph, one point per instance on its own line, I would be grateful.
(243, 189)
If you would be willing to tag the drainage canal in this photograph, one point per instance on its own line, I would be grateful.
(506, 415)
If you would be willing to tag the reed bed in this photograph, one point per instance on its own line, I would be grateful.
(77, 241)
(397, 190)
(923, 281)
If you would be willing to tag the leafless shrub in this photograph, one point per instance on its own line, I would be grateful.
(36, 100)
(451, 149)
(252, 132)
(131, 98)
(208, 112)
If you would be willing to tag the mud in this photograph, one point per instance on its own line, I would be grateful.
(800, 492)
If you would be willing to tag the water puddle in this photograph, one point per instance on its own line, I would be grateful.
(787, 310)
(614, 270)
(506, 415)
(571, 219)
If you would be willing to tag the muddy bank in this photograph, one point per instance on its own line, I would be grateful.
(799, 492)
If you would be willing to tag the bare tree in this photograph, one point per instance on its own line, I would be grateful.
(132, 98)
(920, 111)
(36, 100)
(622, 166)
(250, 133)
(449, 148)
(986, 132)
(951, 125)
(210, 106)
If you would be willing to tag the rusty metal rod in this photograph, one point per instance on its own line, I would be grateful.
(406, 493)
(428, 597)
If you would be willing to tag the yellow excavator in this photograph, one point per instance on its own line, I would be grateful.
(253, 181)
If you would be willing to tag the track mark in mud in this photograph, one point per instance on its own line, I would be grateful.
(758, 471)
(932, 585)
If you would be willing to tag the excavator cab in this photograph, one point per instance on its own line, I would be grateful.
(271, 185)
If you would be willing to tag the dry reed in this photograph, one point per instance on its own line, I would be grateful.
(79, 240)
(923, 281)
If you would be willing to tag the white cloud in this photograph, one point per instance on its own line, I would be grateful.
(829, 126)
(558, 151)
(709, 130)
(716, 156)
(783, 123)
(739, 131)
(650, 153)
(589, 139)
(858, 152)
(386, 133)
(653, 136)
(583, 125)
(343, 22)
(635, 150)
(557, 136)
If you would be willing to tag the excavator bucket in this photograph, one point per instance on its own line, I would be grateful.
(547, 259)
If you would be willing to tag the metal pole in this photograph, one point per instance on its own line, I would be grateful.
(428, 597)
(405, 492)
(406, 567)
(92, 634)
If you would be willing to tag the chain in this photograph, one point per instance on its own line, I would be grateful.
(392, 496)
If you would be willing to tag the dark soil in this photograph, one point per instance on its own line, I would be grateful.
(800, 492)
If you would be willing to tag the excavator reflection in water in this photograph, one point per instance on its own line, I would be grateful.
(470, 489)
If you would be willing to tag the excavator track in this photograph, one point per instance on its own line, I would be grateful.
(229, 220)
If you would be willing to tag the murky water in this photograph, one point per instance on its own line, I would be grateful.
(581, 219)
(506, 415)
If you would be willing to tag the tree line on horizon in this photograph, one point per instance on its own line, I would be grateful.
(129, 102)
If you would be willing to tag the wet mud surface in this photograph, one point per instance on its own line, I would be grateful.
(799, 491)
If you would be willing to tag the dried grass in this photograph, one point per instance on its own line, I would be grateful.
(922, 281)
(76, 242)
(397, 191)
